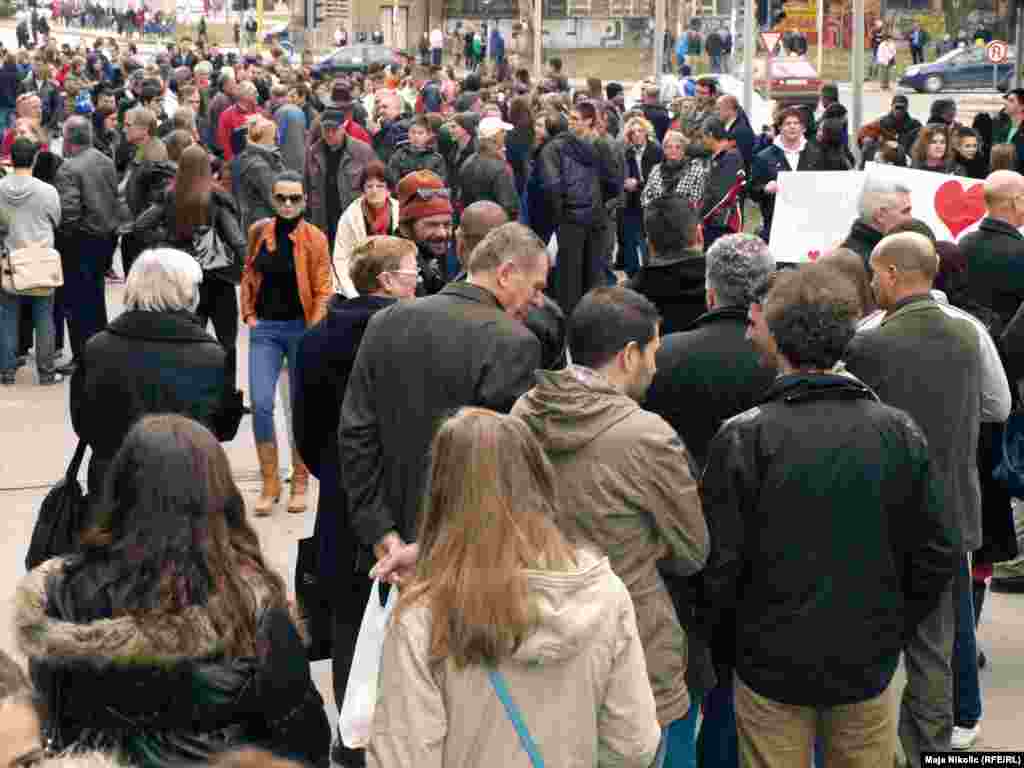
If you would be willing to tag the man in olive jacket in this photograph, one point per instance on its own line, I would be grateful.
(421, 360)
(928, 363)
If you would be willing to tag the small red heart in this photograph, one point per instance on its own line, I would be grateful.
(959, 208)
(813, 255)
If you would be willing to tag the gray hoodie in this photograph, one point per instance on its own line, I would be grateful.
(30, 210)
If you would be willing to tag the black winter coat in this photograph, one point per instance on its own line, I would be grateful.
(158, 225)
(488, 178)
(639, 168)
(657, 115)
(461, 348)
(862, 241)
(408, 158)
(323, 362)
(676, 289)
(571, 177)
(164, 694)
(743, 135)
(176, 367)
(995, 265)
(814, 494)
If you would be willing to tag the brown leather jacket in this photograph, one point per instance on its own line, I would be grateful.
(312, 268)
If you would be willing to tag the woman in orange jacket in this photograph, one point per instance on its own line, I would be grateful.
(285, 289)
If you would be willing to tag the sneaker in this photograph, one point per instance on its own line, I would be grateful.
(982, 660)
(963, 738)
(53, 378)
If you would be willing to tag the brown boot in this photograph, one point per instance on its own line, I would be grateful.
(300, 481)
(271, 492)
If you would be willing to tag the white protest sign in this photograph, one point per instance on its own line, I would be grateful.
(813, 212)
(950, 205)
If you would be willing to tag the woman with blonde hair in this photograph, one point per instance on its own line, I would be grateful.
(643, 155)
(678, 174)
(506, 619)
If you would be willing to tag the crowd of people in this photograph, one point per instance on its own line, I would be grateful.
(692, 515)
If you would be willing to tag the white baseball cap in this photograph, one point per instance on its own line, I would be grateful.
(492, 126)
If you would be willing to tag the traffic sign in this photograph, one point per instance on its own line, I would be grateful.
(770, 40)
(997, 52)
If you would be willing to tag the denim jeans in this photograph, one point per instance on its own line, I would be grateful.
(678, 747)
(634, 247)
(42, 319)
(716, 745)
(270, 342)
(966, 688)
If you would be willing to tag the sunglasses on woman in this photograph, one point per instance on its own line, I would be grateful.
(288, 199)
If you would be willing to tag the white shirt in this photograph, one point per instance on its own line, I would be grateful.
(436, 38)
(995, 389)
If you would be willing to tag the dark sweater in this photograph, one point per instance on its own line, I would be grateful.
(278, 298)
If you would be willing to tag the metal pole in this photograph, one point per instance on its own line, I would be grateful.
(659, 39)
(857, 65)
(821, 36)
(749, 44)
(538, 31)
(1020, 36)
(394, 25)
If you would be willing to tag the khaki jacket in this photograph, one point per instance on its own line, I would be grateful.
(312, 268)
(579, 681)
(627, 489)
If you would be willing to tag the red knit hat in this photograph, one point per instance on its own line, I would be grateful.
(422, 194)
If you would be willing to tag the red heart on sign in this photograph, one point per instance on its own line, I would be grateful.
(959, 208)
(813, 255)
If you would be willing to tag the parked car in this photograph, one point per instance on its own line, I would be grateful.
(358, 58)
(795, 81)
(960, 69)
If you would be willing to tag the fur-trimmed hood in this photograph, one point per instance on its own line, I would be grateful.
(44, 637)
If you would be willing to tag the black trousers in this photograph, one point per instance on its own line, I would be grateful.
(583, 252)
(83, 299)
(218, 302)
(917, 54)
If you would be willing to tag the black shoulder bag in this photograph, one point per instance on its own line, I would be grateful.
(62, 515)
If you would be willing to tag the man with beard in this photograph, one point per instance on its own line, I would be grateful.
(707, 90)
(425, 217)
(420, 360)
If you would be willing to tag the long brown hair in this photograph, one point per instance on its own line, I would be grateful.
(192, 187)
(1004, 158)
(172, 527)
(489, 514)
(919, 152)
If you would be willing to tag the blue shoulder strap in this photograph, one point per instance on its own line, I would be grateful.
(498, 681)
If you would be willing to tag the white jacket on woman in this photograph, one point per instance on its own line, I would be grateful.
(351, 232)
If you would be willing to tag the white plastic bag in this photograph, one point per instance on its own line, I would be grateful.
(355, 720)
(553, 249)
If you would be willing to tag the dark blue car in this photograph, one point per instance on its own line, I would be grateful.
(960, 69)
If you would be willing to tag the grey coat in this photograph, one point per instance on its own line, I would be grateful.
(928, 363)
(257, 167)
(356, 155)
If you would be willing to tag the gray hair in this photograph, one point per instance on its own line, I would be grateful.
(81, 759)
(163, 280)
(877, 195)
(78, 132)
(509, 242)
(736, 266)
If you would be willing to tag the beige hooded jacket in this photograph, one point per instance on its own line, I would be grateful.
(626, 487)
(579, 681)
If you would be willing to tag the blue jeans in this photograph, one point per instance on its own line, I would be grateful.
(270, 342)
(717, 745)
(42, 319)
(634, 247)
(966, 688)
(678, 748)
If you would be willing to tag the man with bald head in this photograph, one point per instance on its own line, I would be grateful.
(995, 252)
(927, 362)
(737, 127)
